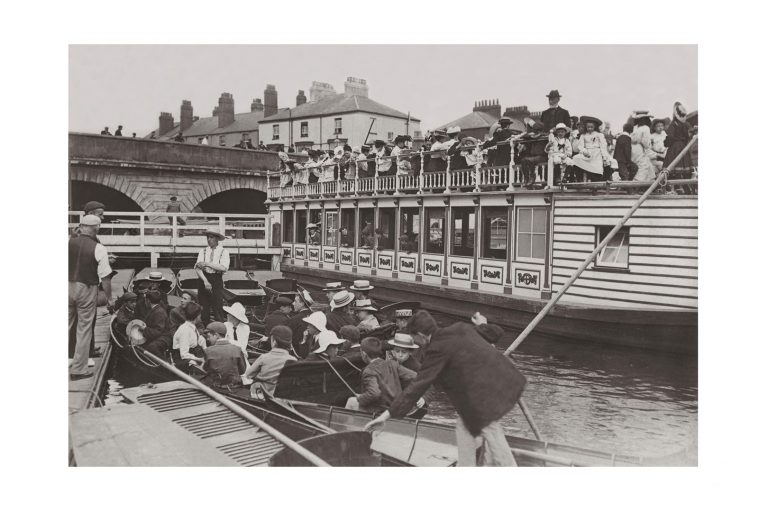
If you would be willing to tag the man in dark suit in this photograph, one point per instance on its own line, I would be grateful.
(245, 142)
(482, 384)
(555, 113)
(157, 332)
(281, 315)
(500, 155)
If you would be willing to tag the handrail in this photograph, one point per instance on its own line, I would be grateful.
(250, 418)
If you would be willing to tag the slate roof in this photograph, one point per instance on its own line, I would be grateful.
(477, 119)
(337, 104)
(244, 122)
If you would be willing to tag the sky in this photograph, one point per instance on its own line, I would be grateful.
(131, 84)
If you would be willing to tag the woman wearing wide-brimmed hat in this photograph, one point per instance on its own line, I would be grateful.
(365, 313)
(642, 154)
(592, 150)
(678, 136)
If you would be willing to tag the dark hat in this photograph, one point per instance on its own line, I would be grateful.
(590, 119)
(283, 301)
(504, 120)
(217, 327)
(399, 138)
(173, 198)
(365, 146)
(93, 205)
(282, 333)
(215, 234)
(554, 93)
(126, 297)
(379, 142)
(490, 333)
(191, 293)
(350, 333)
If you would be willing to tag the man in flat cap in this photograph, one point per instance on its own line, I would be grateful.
(88, 266)
(281, 315)
(555, 113)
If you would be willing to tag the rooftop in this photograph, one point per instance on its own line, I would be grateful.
(337, 104)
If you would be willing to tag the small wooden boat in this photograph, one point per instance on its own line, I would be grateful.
(188, 280)
(168, 284)
(243, 288)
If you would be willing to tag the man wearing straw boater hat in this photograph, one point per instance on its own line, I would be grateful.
(211, 264)
(555, 114)
(402, 347)
(88, 265)
(332, 289)
(340, 315)
(365, 313)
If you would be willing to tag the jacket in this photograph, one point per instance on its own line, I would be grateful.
(381, 383)
(224, 363)
(482, 384)
(158, 325)
(337, 319)
(83, 267)
(554, 115)
(274, 319)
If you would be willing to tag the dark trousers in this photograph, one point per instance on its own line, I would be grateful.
(528, 166)
(157, 347)
(73, 338)
(212, 302)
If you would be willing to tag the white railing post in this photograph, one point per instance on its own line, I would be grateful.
(338, 180)
(421, 172)
(222, 223)
(141, 230)
(269, 188)
(376, 176)
(447, 176)
(174, 227)
(357, 171)
(477, 176)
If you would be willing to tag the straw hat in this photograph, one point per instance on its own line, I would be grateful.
(364, 305)
(403, 340)
(316, 319)
(591, 119)
(562, 126)
(90, 220)
(640, 114)
(361, 285)
(325, 339)
(155, 276)
(333, 287)
(678, 110)
(452, 130)
(133, 331)
(214, 233)
(403, 313)
(237, 310)
(341, 299)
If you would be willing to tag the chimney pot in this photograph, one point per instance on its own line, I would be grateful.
(186, 115)
(270, 100)
(226, 111)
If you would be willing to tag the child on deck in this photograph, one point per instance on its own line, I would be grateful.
(382, 379)
(559, 150)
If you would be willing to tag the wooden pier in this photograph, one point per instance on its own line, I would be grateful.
(84, 393)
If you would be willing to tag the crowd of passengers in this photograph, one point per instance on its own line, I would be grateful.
(580, 149)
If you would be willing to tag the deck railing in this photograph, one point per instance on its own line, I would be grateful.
(179, 229)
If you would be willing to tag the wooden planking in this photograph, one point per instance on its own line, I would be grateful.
(610, 202)
(618, 213)
(630, 297)
(637, 254)
(665, 241)
(628, 277)
(647, 289)
(585, 238)
(585, 247)
(578, 242)
(650, 250)
(591, 300)
(570, 264)
(634, 259)
(581, 228)
(666, 222)
(672, 232)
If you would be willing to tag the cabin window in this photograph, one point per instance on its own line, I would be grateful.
(367, 239)
(531, 233)
(337, 126)
(275, 131)
(616, 253)
(288, 226)
(435, 234)
(409, 229)
(305, 129)
(347, 227)
(301, 226)
(494, 233)
(386, 230)
(330, 228)
(390, 136)
(463, 234)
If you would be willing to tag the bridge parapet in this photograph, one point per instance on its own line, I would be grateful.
(154, 153)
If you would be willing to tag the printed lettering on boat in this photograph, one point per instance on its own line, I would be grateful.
(385, 262)
(364, 260)
(299, 253)
(432, 268)
(408, 265)
(492, 275)
(345, 257)
(287, 252)
(314, 254)
(528, 279)
(460, 271)
(329, 256)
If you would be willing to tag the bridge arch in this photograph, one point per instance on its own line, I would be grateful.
(114, 199)
(235, 200)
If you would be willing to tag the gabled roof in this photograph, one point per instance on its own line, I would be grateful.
(337, 104)
(472, 120)
(244, 122)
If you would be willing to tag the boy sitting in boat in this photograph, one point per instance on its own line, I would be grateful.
(224, 362)
(382, 380)
(264, 372)
(365, 313)
(402, 347)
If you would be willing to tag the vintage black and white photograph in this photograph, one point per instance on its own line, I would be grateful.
(335, 266)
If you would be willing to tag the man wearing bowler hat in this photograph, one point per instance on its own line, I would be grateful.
(211, 264)
(281, 316)
(555, 113)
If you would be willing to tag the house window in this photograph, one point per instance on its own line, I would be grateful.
(222, 140)
(386, 230)
(330, 228)
(494, 233)
(409, 230)
(305, 129)
(463, 235)
(301, 226)
(337, 126)
(275, 131)
(348, 227)
(390, 136)
(616, 253)
(288, 226)
(531, 233)
(435, 234)
(367, 236)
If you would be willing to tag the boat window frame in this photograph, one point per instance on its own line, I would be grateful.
(410, 225)
(361, 226)
(301, 231)
(326, 227)
(347, 214)
(387, 234)
(428, 229)
(486, 252)
(287, 227)
(464, 250)
(518, 232)
(624, 235)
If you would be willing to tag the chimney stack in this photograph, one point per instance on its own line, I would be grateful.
(491, 107)
(215, 111)
(270, 100)
(518, 112)
(355, 87)
(186, 118)
(226, 110)
(300, 98)
(320, 90)
(257, 105)
(166, 123)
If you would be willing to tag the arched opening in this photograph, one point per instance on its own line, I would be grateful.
(240, 200)
(83, 191)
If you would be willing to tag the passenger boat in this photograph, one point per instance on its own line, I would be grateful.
(168, 284)
(481, 236)
(243, 288)
(188, 280)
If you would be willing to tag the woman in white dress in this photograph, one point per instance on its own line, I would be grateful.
(642, 153)
(658, 135)
(592, 151)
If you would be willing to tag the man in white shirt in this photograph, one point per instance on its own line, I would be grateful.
(211, 264)
(238, 328)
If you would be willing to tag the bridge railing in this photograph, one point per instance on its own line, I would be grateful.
(140, 229)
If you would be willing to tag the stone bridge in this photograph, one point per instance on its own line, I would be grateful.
(131, 174)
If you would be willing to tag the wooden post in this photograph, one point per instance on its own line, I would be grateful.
(477, 176)
(376, 176)
(511, 187)
(141, 230)
(447, 176)
(421, 173)
(357, 172)
(338, 180)
(174, 227)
